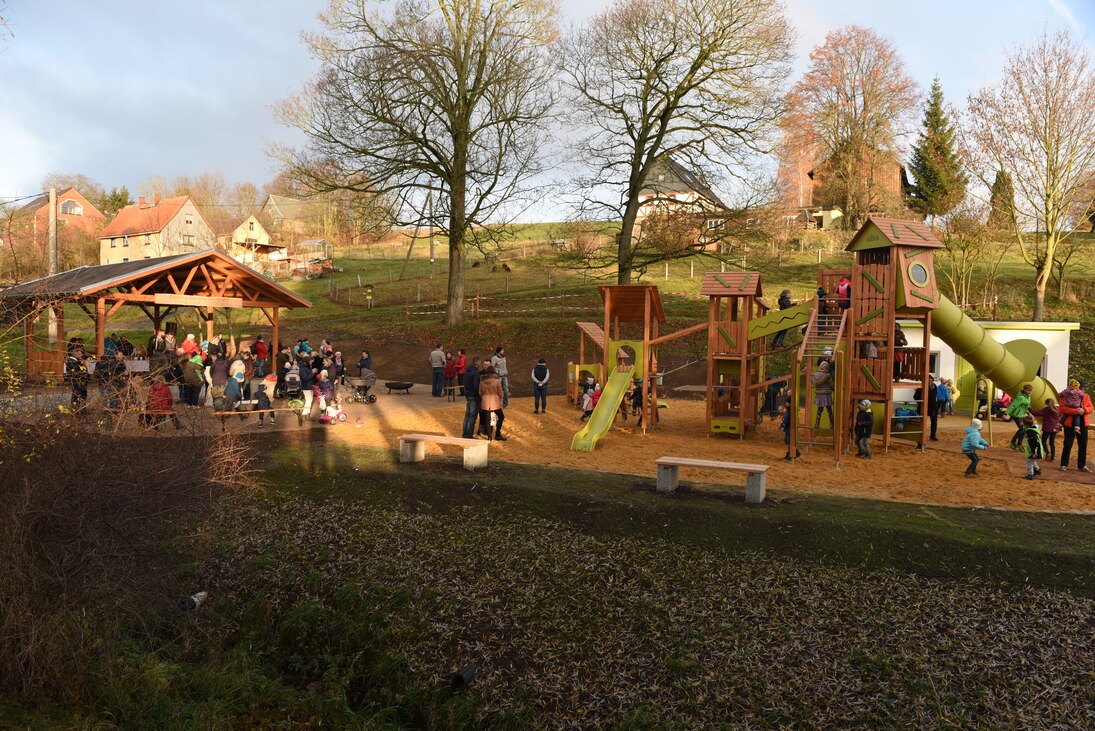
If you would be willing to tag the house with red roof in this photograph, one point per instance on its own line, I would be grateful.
(72, 210)
(159, 227)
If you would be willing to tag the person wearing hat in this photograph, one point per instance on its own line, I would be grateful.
(864, 425)
(932, 406)
(1032, 445)
(1075, 409)
(972, 443)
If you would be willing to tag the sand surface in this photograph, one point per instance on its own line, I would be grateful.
(934, 476)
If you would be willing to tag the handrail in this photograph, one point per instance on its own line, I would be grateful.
(810, 325)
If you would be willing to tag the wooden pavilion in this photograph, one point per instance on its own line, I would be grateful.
(203, 280)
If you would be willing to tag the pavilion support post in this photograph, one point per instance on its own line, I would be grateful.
(100, 326)
(28, 335)
(275, 343)
(208, 316)
(59, 362)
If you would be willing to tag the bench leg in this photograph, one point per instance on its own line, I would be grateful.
(754, 487)
(668, 477)
(475, 457)
(412, 451)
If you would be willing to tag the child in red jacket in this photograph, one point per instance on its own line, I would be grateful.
(158, 404)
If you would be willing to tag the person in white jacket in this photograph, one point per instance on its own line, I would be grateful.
(498, 360)
(540, 376)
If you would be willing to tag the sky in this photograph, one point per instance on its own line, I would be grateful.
(121, 91)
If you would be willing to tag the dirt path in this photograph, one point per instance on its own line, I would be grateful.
(934, 476)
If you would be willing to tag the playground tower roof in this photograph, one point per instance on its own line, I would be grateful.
(628, 302)
(882, 233)
(731, 284)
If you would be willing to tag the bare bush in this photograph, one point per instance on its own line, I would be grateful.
(84, 515)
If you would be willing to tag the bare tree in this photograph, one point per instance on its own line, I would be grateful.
(973, 252)
(1038, 125)
(852, 108)
(418, 98)
(696, 81)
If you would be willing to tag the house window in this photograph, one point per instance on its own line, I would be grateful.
(251, 226)
(125, 241)
(188, 240)
(125, 258)
(148, 255)
(107, 260)
(189, 221)
(661, 177)
(147, 240)
(72, 208)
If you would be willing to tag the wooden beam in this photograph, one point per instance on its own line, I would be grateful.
(189, 278)
(173, 283)
(679, 333)
(144, 287)
(100, 326)
(115, 306)
(185, 299)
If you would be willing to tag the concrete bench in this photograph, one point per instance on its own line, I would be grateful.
(412, 448)
(755, 474)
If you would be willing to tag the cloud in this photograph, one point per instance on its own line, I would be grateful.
(1065, 12)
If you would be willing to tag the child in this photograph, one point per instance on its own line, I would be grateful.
(1018, 409)
(587, 405)
(942, 397)
(1032, 446)
(785, 425)
(1073, 398)
(953, 396)
(637, 400)
(864, 425)
(263, 404)
(823, 393)
(971, 444)
(1051, 424)
(159, 400)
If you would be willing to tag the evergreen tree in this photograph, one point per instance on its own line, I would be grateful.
(940, 183)
(112, 202)
(1001, 202)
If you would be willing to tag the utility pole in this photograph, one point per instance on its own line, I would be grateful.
(429, 205)
(54, 335)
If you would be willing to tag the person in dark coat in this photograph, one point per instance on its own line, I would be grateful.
(933, 406)
(470, 382)
(364, 363)
(784, 303)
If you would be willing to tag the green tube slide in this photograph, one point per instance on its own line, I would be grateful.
(1009, 366)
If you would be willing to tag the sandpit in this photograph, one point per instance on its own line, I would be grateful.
(934, 476)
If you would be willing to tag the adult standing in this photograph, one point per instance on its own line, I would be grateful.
(192, 378)
(540, 376)
(461, 367)
(1074, 423)
(216, 375)
(364, 363)
(498, 361)
(157, 351)
(491, 403)
(171, 345)
(281, 364)
(436, 360)
(784, 303)
(190, 345)
(933, 409)
(261, 354)
(76, 367)
(339, 364)
(470, 383)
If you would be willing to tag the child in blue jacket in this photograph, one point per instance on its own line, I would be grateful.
(972, 443)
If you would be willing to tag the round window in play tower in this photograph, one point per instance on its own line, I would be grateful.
(918, 274)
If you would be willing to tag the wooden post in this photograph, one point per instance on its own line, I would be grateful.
(28, 333)
(100, 326)
(275, 332)
(564, 306)
(59, 372)
(648, 360)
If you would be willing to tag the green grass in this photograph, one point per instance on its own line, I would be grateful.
(348, 591)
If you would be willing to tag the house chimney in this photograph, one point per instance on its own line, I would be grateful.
(141, 201)
(158, 199)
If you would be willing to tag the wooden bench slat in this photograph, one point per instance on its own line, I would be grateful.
(711, 464)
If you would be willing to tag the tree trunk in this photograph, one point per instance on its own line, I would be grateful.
(1039, 298)
(624, 253)
(454, 311)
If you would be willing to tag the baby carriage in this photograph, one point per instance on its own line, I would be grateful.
(361, 386)
(291, 388)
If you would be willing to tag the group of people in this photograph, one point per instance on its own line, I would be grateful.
(205, 372)
(1070, 415)
(484, 384)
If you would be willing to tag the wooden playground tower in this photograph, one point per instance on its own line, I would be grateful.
(735, 358)
(892, 276)
(624, 304)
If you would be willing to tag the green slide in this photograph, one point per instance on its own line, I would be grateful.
(1009, 366)
(612, 395)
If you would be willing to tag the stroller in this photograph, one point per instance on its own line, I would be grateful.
(291, 386)
(361, 386)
